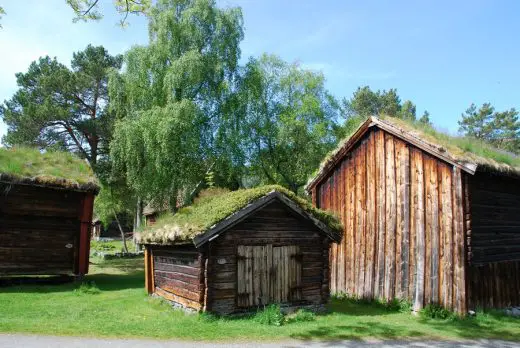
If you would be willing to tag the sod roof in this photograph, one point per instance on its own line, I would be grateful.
(468, 153)
(28, 166)
(217, 212)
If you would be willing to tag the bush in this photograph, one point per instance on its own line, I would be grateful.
(301, 315)
(87, 288)
(435, 311)
(270, 315)
(397, 305)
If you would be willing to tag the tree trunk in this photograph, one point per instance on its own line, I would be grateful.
(125, 248)
(138, 221)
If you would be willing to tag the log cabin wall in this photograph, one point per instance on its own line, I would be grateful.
(41, 230)
(494, 255)
(274, 226)
(403, 215)
(177, 274)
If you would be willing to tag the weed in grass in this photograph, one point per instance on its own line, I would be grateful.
(301, 315)
(270, 315)
(435, 311)
(87, 288)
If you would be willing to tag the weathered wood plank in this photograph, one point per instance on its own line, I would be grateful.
(380, 212)
(418, 197)
(371, 217)
(390, 217)
(446, 228)
(428, 162)
(350, 226)
(403, 220)
(459, 244)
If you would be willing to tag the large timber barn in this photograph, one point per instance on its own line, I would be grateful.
(237, 251)
(46, 203)
(424, 219)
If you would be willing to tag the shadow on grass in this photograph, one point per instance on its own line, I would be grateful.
(104, 282)
(354, 307)
(485, 325)
(357, 331)
(109, 275)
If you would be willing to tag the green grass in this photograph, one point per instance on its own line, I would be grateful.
(111, 302)
(210, 209)
(112, 246)
(48, 167)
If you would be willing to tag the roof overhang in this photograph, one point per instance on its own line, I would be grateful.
(219, 228)
(432, 149)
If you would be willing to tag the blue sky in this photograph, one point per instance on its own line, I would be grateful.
(442, 55)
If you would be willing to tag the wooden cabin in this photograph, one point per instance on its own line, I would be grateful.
(45, 218)
(240, 251)
(424, 220)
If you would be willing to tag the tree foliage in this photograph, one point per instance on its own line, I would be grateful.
(2, 12)
(365, 102)
(172, 96)
(58, 107)
(501, 129)
(86, 10)
(289, 121)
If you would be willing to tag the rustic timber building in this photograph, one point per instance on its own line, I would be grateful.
(240, 250)
(45, 217)
(424, 220)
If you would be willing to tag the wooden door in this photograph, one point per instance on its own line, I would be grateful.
(286, 276)
(267, 274)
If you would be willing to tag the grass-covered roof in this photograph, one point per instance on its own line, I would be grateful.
(29, 166)
(461, 149)
(216, 205)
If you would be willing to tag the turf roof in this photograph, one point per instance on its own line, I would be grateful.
(23, 165)
(212, 208)
(461, 149)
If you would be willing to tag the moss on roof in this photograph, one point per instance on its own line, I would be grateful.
(53, 169)
(462, 149)
(213, 207)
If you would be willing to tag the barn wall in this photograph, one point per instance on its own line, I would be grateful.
(40, 230)
(178, 274)
(494, 257)
(403, 215)
(274, 225)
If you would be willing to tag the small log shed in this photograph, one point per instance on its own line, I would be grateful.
(424, 219)
(45, 220)
(251, 248)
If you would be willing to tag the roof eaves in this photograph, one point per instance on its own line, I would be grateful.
(233, 219)
(372, 121)
(215, 230)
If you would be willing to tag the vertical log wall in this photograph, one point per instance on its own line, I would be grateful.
(493, 224)
(403, 215)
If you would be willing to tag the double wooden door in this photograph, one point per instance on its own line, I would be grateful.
(267, 274)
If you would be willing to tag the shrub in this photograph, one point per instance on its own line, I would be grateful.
(301, 315)
(397, 305)
(435, 311)
(87, 288)
(270, 315)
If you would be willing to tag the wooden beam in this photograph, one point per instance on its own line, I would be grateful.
(148, 270)
(418, 197)
(84, 235)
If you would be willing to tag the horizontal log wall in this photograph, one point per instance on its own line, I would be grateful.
(494, 257)
(39, 230)
(177, 272)
(277, 226)
(403, 211)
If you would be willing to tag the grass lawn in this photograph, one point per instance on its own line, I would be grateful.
(117, 306)
(111, 246)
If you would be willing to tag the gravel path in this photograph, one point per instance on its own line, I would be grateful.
(33, 341)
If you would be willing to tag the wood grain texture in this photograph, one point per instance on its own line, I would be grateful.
(390, 218)
(44, 231)
(416, 228)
